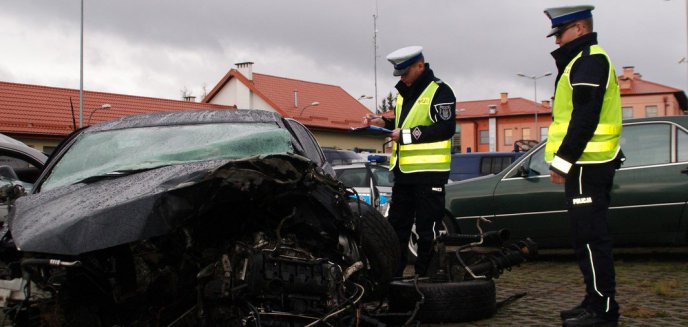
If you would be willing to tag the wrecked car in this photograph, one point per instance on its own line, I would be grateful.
(195, 218)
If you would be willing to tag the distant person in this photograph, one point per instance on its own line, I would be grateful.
(422, 128)
(583, 151)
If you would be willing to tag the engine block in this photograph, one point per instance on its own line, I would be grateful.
(293, 284)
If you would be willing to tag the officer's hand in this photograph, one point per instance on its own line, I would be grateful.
(396, 133)
(370, 119)
(556, 178)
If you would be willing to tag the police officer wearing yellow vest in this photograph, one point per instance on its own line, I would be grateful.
(583, 151)
(422, 128)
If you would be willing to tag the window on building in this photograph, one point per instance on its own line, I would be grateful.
(543, 133)
(508, 136)
(484, 137)
(525, 134)
(627, 112)
(650, 111)
(456, 140)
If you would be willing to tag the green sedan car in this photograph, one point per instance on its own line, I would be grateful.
(648, 200)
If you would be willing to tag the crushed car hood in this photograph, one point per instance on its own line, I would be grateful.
(84, 217)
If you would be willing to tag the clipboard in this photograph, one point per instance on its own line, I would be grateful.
(370, 130)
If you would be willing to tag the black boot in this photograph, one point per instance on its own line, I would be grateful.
(572, 313)
(591, 319)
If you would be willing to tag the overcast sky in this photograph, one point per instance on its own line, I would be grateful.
(158, 47)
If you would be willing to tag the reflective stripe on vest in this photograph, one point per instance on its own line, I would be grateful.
(602, 129)
(604, 144)
(419, 157)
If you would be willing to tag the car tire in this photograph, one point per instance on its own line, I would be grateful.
(380, 247)
(445, 302)
(448, 227)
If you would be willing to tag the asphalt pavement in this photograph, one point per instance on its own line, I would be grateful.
(652, 289)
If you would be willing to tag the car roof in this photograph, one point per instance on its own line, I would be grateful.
(681, 120)
(188, 117)
(36, 157)
(339, 157)
(486, 154)
(356, 165)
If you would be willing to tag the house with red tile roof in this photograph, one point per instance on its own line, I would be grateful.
(328, 111)
(495, 124)
(41, 116)
(641, 98)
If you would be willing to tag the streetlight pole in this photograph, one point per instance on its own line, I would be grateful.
(81, 70)
(104, 107)
(314, 104)
(366, 97)
(535, 78)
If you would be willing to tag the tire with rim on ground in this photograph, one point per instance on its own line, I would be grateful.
(380, 247)
(445, 302)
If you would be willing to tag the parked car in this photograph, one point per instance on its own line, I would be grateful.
(372, 183)
(19, 165)
(475, 164)
(342, 157)
(197, 218)
(648, 199)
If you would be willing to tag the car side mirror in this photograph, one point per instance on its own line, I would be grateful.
(10, 192)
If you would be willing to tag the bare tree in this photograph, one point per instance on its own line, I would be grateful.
(185, 93)
(204, 91)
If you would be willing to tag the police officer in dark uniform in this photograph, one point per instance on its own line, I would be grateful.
(584, 152)
(422, 129)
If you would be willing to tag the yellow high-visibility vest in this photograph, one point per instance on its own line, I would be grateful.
(420, 157)
(604, 144)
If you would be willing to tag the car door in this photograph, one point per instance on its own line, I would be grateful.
(649, 193)
(529, 205)
(647, 199)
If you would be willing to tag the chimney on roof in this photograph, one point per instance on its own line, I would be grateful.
(626, 79)
(504, 97)
(189, 98)
(492, 109)
(628, 72)
(545, 104)
(246, 69)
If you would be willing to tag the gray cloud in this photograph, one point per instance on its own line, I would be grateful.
(155, 48)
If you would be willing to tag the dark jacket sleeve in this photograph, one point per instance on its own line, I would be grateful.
(443, 115)
(389, 123)
(588, 78)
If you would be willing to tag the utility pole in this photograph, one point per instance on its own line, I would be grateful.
(375, 52)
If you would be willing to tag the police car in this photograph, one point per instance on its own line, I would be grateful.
(371, 180)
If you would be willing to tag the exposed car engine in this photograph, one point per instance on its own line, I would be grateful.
(295, 262)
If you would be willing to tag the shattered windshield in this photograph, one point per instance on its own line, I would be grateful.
(133, 149)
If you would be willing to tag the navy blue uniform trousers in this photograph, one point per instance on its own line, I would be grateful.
(587, 190)
(423, 204)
